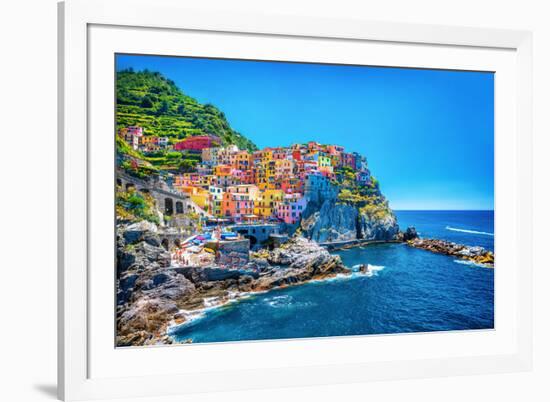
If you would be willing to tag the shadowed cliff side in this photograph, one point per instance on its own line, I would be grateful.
(337, 215)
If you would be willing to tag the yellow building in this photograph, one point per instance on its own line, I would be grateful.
(283, 168)
(222, 170)
(267, 199)
(260, 174)
(198, 195)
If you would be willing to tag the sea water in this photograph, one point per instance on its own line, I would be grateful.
(408, 290)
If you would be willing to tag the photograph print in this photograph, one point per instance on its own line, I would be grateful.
(261, 200)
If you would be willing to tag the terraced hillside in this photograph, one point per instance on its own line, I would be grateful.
(154, 102)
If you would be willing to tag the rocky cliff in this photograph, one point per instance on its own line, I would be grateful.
(332, 220)
(147, 291)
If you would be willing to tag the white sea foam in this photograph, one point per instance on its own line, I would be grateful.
(213, 303)
(468, 231)
(210, 304)
(279, 301)
(471, 263)
(373, 269)
(190, 316)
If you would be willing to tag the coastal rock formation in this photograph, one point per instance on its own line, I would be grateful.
(296, 261)
(409, 234)
(336, 221)
(378, 228)
(152, 294)
(147, 292)
(476, 254)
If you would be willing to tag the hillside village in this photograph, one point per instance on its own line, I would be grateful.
(210, 193)
(272, 184)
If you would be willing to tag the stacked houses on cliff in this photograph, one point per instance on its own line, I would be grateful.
(271, 184)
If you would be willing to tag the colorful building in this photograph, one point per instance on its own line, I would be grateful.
(265, 206)
(198, 143)
(283, 168)
(248, 189)
(215, 200)
(363, 178)
(291, 184)
(198, 195)
(348, 160)
(290, 209)
(209, 156)
(318, 188)
(237, 205)
(241, 160)
(272, 182)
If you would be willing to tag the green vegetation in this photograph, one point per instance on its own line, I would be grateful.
(154, 102)
(133, 205)
(368, 198)
(376, 211)
(123, 148)
(144, 165)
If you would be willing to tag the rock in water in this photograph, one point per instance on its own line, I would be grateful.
(410, 234)
(477, 255)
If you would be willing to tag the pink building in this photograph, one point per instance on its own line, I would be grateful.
(291, 208)
(348, 160)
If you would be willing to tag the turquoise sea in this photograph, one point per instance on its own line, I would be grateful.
(410, 290)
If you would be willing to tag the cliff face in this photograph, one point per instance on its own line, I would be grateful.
(330, 220)
(148, 292)
(372, 228)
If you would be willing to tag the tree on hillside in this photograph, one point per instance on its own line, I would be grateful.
(146, 102)
(164, 107)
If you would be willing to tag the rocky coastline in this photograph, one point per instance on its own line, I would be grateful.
(152, 295)
(476, 255)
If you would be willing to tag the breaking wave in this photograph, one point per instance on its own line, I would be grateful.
(468, 231)
(470, 263)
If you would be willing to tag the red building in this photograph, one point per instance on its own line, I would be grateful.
(297, 155)
(198, 143)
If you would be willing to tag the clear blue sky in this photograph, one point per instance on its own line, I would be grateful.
(428, 135)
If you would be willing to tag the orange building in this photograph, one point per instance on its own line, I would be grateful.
(241, 160)
(236, 205)
(238, 201)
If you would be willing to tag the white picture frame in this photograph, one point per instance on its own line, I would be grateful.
(79, 379)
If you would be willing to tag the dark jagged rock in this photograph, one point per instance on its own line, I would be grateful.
(297, 261)
(137, 231)
(409, 234)
(147, 293)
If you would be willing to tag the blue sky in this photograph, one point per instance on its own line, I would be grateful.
(428, 135)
